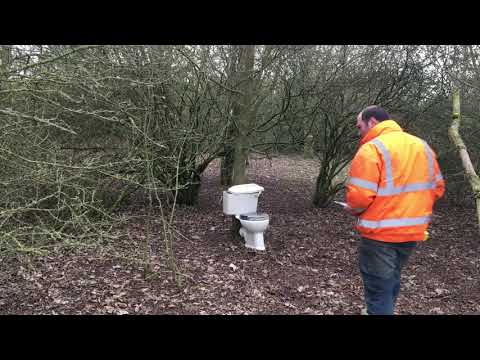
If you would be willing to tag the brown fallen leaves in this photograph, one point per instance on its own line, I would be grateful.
(310, 265)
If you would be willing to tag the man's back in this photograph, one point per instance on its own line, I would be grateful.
(394, 178)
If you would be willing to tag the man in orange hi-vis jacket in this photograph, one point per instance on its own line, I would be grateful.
(393, 182)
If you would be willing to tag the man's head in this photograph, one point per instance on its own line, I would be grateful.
(370, 117)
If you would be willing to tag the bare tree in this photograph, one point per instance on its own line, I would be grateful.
(456, 139)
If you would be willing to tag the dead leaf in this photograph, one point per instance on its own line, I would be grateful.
(257, 293)
(302, 288)
(233, 267)
(441, 291)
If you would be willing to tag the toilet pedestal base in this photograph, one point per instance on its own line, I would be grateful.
(253, 240)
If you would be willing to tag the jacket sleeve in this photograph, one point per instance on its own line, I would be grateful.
(439, 189)
(363, 178)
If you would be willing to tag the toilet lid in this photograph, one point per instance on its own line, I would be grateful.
(254, 217)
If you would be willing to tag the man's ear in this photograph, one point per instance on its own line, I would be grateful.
(372, 121)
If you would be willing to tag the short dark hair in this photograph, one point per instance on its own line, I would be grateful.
(375, 111)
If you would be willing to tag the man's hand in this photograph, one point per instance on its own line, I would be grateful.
(347, 208)
(351, 211)
(354, 212)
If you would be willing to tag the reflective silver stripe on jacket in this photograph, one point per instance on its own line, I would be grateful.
(430, 160)
(388, 166)
(406, 188)
(363, 183)
(394, 222)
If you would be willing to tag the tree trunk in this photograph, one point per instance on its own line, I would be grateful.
(226, 166)
(239, 176)
(456, 139)
(189, 195)
(308, 152)
(5, 57)
(322, 196)
(240, 158)
(5, 63)
(244, 120)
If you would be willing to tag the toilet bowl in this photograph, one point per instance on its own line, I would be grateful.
(241, 201)
(253, 227)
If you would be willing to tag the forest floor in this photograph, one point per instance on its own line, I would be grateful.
(310, 265)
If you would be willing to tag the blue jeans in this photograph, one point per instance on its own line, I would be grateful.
(380, 265)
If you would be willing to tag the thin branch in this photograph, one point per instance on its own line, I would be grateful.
(205, 74)
(74, 50)
(36, 118)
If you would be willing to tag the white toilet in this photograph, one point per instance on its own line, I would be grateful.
(241, 201)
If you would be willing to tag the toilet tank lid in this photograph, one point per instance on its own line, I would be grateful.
(245, 189)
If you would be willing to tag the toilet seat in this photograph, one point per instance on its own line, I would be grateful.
(254, 217)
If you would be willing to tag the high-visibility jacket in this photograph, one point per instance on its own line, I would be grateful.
(393, 182)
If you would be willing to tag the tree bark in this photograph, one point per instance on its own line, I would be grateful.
(308, 152)
(226, 165)
(456, 139)
(244, 120)
(5, 63)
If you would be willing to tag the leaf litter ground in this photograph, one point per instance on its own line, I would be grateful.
(310, 265)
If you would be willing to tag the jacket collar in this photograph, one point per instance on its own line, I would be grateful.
(383, 127)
